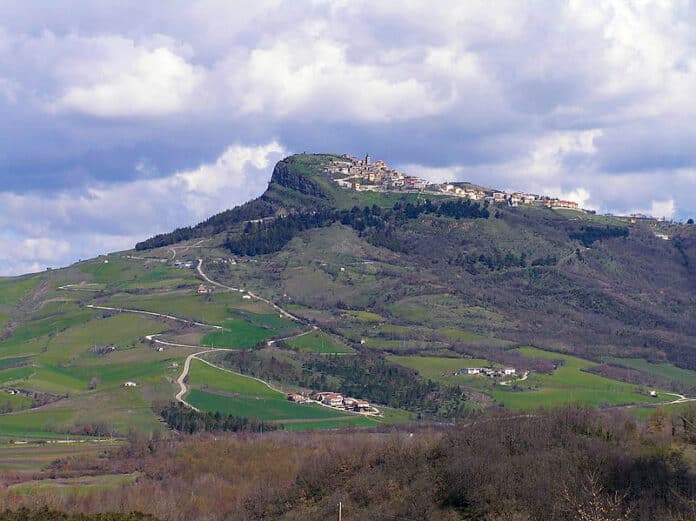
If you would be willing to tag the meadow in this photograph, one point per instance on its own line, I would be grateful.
(666, 371)
(439, 369)
(217, 390)
(319, 342)
(568, 384)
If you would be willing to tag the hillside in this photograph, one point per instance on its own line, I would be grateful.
(388, 297)
(560, 279)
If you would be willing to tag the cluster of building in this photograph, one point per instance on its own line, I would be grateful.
(335, 400)
(184, 264)
(364, 174)
(489, 371)
(500, 197)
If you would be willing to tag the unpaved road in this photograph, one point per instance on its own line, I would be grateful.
(184, 374)
(275, 306)
(152, 313)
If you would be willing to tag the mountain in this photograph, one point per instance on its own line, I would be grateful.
(413, 302)
(447, 343)
(564, 280)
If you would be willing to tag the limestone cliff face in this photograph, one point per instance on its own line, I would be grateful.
(287, 174)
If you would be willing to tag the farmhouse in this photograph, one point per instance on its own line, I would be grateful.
(130, 384)
(204, 290)
(333, 399)
(361, 405)
(508, 371)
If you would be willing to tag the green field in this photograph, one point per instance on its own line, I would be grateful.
(267, 409)
(7, 362)
(12, 290)
(14, 374)
(237, 335)
(48, 325)
(319, 342)
(568, 384)
(202, 374)
(209, 309)
(666, 371)
(439, 369)
(214, 389)
(82, 485)
(357, 421)
(41, 424)
(34, 457)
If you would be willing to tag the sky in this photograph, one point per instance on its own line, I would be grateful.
(123, 119)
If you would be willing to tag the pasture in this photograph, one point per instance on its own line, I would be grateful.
(568, 384)
(666, 371)
(237, 335)
(33, 457)
(319, 342)
(217, 390)
(267, 409)
(439, 369)
(204, 375)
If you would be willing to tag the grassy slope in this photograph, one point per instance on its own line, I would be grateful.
(243, 396)
(569, 384)
(438, 369)
(319, 342)
(666, 371)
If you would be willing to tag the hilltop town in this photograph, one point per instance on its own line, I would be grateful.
(349, 172)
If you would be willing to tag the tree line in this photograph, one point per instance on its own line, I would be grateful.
(474, 263)
(185, 419)
(256, 209)
(267, 237)
(589, 234)
(370, 377)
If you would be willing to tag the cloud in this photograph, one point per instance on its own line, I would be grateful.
(661, 209)
(119, 78)
(120, 99)
(116, 216)
(312, 78)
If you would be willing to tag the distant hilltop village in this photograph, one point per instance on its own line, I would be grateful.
(365, 175)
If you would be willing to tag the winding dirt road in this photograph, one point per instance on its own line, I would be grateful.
(275, 306)
(184, 373)
(152, 313)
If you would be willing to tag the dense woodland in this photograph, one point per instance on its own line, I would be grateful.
(268, 237)
(568, 464)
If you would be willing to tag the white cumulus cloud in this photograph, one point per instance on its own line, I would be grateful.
(120, 78)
